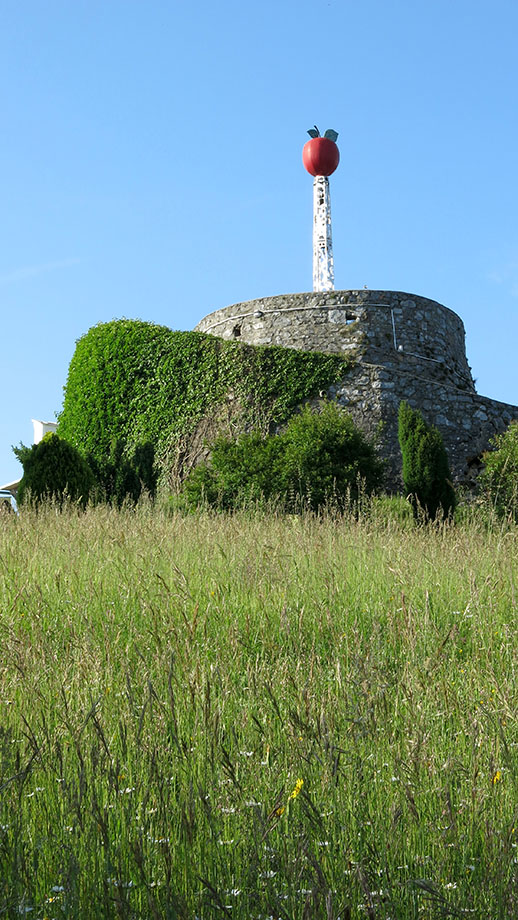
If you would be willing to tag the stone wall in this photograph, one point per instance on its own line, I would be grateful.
(404, 347)
(467, 421)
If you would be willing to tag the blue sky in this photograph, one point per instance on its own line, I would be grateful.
(151, 167)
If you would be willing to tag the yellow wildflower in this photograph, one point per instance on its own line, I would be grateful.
(497, 778)
(298, 786)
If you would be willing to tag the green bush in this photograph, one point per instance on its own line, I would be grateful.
(426, 473)
(499, 478)
(120, 477)
(319, 459)
(53, 469)
(132, 384)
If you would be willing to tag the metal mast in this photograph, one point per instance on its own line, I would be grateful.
(323, 262)
(321, 157)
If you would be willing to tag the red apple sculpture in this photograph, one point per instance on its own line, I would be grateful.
(321, 155)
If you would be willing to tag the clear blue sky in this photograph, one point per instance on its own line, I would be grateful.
(150, 157)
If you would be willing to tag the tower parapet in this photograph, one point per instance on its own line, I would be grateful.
(401, 331)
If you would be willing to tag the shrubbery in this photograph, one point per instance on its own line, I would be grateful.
(120, 477)
(320, 458)
(53, 469)
(426, 473)
(499, 478)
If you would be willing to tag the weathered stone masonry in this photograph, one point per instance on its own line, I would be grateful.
(403, 347)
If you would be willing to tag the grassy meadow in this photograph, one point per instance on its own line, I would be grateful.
(257, 717)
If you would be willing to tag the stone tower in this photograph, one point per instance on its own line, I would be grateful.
(401, 346)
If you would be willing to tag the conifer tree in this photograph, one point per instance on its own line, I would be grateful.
(426, 473)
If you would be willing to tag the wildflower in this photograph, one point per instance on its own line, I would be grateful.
(497, 778)
(298, 786)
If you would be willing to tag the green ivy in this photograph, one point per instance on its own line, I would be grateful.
(139, 383)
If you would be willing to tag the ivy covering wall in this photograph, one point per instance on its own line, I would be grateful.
(139, 383)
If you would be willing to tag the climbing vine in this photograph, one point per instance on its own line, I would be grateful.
(135, 383)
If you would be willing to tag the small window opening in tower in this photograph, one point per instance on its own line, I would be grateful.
(350, 317)
(236, 332)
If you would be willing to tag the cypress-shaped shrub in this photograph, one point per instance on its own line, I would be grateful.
(499, 478)
(426, 473)
(53, 469)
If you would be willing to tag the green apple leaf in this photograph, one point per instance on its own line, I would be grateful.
(332, 135)
(314, 132)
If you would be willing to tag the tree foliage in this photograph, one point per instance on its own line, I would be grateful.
(319, 458)
(499, 478)
(53, 469)
(426, 473)
(121, 476)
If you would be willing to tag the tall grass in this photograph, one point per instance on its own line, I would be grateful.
(257, 717)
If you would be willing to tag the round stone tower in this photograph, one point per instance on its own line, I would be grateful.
(401, 347)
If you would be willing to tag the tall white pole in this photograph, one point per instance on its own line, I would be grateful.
(323, 263)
